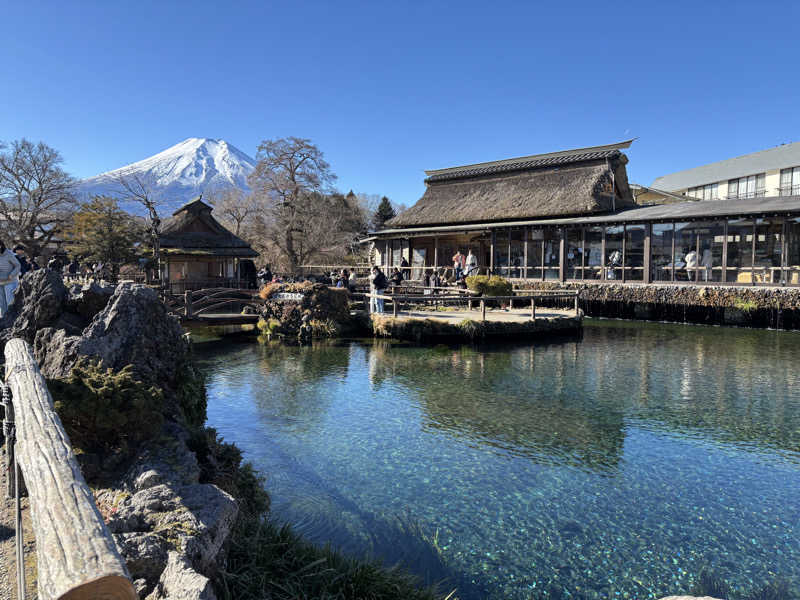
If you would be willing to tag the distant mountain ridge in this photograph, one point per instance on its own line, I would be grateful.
(178, 174)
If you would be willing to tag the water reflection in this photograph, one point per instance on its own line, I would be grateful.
(622, 463)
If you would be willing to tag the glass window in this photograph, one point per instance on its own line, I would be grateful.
(769, 242)
(634, 252)
(535, 254)
(613, 262)
(517, 252)
(698, 251)
(793, 251)
(733, 188)
(501, 252)
(790, 182)
(740, 251)
(593, 253)
(552, 250)
(661, 252)
(574, 253)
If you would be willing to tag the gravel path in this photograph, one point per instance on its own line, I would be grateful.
(8, 562)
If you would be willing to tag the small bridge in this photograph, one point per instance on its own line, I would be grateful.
(216, 306)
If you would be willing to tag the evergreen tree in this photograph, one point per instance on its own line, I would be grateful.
(383, 213)
(102, 232)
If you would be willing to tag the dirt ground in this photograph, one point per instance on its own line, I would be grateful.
(8, 562)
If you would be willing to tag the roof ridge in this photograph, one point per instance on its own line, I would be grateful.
(532, 157)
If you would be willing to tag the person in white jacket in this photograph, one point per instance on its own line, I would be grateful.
(9, 277)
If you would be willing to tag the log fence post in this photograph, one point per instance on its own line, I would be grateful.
(483, 309)
(187, 296)
(76, 554)
(533, 309)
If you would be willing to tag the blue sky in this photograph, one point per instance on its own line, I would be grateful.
(388, 89)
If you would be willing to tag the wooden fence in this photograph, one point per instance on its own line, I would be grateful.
(523, 299)
(76, 555)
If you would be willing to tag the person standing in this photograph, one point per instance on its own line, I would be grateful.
(472, 263)
(19, 254)
(458, 263)
(10, 270)
(378, 287)
(404, 270)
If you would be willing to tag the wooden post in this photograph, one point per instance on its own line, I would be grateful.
(76, 554)
(492, 243)
(576, 304)
(526, 234)
(533, 309)
(562, 256)
(648, 234)
(187, 298)
(394, 307)
(483, 309)
(435, 253)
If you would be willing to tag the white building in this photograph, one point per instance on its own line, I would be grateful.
(772, 172)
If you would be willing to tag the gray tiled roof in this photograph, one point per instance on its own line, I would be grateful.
(780, 157)
(528, 162)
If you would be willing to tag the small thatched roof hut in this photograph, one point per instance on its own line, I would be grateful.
(567, 183)
(198, 251)
(193, 230)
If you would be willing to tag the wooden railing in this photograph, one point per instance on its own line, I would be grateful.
(526, 299)
(76, 555)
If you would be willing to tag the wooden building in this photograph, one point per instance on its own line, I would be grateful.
(571, 216)
(198, 252)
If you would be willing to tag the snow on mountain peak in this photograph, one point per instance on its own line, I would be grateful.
(181, 172)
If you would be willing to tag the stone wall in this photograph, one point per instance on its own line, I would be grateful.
(748, 306)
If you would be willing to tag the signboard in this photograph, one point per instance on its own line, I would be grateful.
(287, 296)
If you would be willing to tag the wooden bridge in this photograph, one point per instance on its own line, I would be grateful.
(216, 306)
(77, 558)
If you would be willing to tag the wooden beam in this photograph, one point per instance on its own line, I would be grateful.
(76, 554)
(648, 232)
(526, 234)
(562, 255)
(491, 251)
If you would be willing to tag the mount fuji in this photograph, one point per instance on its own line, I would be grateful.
(178, 174)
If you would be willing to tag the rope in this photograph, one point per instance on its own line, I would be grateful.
(9, 432)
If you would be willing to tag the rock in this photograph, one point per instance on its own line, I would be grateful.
(38, 303)
(215, 511)
(134, 328)
(180, 581)
(145, 555)
(89, 299)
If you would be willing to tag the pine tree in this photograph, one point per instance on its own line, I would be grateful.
(383, 213)
(101, 232)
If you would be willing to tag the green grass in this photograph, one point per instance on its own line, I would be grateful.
(266, 560)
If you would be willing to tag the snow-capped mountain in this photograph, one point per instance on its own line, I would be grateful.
(178, 174)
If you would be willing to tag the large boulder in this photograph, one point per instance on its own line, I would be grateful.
(88, 299)
(38, 303)
(134, 328)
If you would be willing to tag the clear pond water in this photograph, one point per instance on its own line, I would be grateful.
(618, 465)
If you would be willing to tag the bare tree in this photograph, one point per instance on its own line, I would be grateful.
(294, 183)
(36, 194)
(134, 188)
(234, 207)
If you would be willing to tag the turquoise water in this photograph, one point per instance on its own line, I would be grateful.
(618, 465)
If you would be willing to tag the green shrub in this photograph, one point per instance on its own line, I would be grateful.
(221, 464)
(104, 412)
(191, 392)
(489, 286)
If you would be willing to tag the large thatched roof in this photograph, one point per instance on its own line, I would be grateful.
(573, 182)
(192, 230)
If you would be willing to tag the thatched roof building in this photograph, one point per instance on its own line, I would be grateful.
(193, 230)
(572, 182)
(199, 252)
